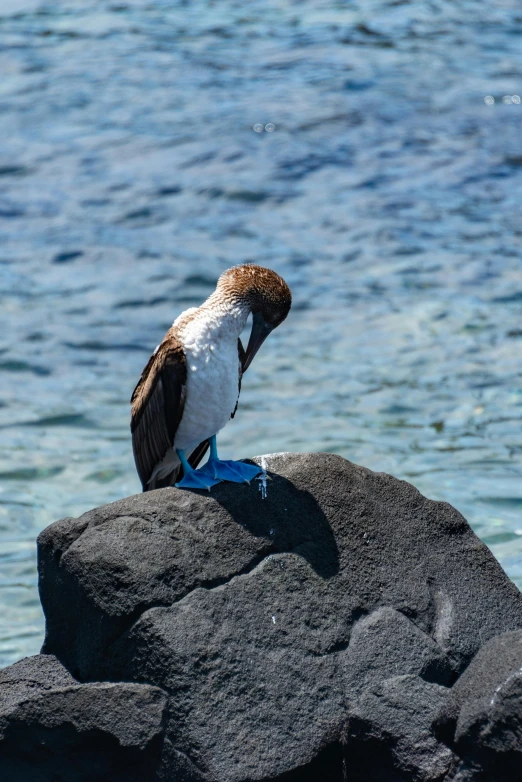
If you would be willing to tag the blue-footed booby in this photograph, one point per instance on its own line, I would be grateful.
(190, 387)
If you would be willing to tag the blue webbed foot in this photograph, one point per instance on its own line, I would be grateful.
(237, 472)
(196, 479)
(193, 479)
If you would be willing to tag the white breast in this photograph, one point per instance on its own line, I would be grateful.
(210, 344)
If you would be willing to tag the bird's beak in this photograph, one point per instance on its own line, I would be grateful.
(260, 331)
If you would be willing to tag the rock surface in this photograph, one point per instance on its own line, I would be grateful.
(54, 728)
(482, 717)
(292, 633)
(390, 731)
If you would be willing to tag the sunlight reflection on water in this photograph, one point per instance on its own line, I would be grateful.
(388, 197)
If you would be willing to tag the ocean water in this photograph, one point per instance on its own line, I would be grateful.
(388, 195)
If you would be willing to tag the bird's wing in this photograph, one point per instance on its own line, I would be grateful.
(157, 406)
(241, 353)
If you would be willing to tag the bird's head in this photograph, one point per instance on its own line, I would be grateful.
(266, 295)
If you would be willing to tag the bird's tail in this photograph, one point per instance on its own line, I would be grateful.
(169, 471)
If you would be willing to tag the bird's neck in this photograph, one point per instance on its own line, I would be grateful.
(221, 318)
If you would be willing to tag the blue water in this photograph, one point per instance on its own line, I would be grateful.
(389, 196)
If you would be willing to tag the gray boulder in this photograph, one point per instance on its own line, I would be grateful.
(482, 718)
(269, 621)
(391, 731)
(384, 644)
(54, 728)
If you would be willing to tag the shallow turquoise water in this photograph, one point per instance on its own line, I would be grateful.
(388, 196)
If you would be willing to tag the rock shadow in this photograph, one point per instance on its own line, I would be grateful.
(290, 518)
(329, 765)
(32, 752)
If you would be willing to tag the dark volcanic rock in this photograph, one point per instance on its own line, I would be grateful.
(390, 732)
(54, 728)
(385, 644)
(269, 621)
(483, 716)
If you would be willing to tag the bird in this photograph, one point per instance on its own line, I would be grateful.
(190, 387)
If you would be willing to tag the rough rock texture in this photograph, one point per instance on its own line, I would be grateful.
(482, 718)
(390, 731)
(272, 623)
(54, 728)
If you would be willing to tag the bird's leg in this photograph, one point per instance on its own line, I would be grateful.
(237, 472)
(194, 479)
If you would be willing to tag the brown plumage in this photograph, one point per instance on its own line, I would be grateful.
(157, 405)
(261, 287)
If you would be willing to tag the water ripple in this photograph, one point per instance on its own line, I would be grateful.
(388, 195)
